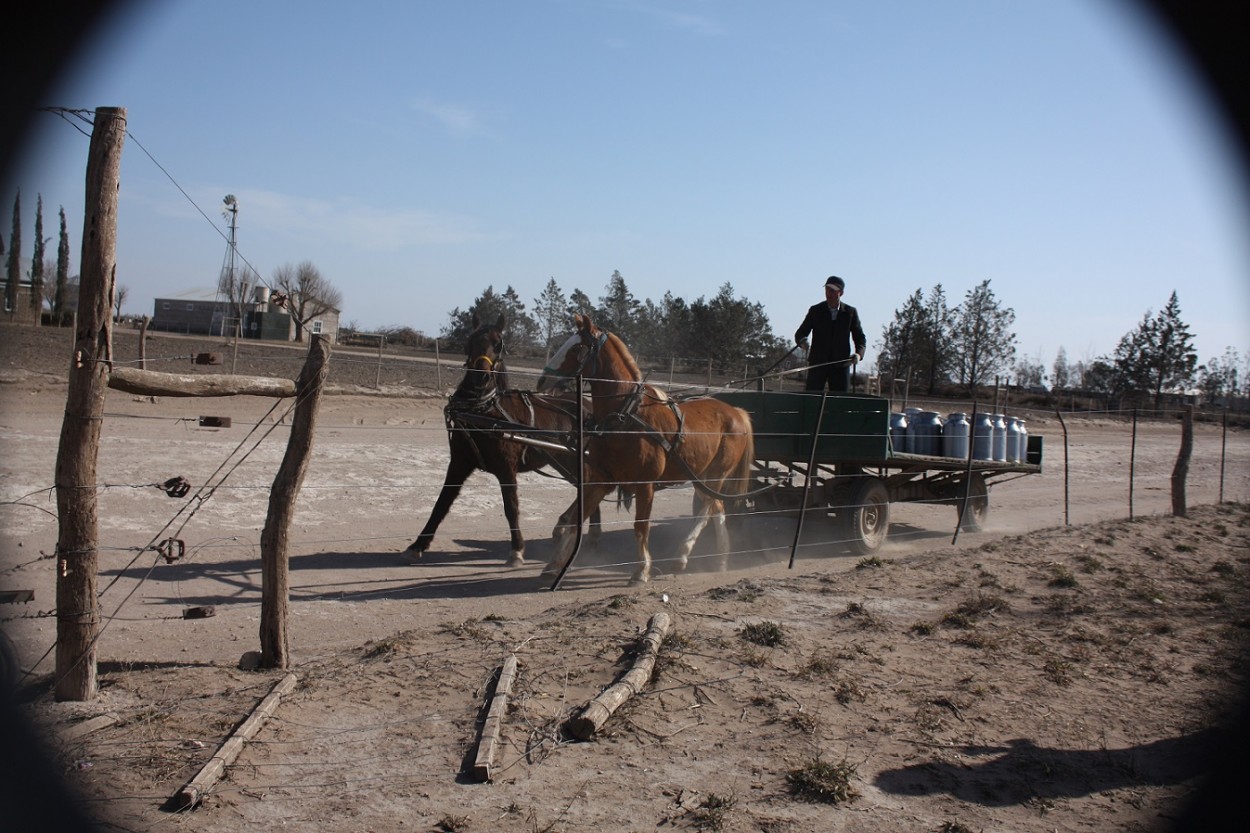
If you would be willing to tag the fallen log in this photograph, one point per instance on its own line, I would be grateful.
(199, 786)
(597, 712)
(154, 383)
(489, 739)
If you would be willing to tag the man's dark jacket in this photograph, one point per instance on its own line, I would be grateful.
(831, 337)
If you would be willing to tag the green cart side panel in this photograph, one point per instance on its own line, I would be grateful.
(1033, 453)
(854, 427)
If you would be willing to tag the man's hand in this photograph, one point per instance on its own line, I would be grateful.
(803, 344)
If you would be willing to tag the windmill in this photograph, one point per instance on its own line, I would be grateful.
(232, 284)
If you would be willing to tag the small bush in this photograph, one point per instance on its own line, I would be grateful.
(1062, 577)
(824, 782)
(768, 634)
(711, 812)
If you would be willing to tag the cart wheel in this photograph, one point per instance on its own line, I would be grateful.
(866, 521)
(978, 503)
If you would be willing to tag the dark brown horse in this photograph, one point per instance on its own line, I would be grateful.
(643, 441)
(479, 413)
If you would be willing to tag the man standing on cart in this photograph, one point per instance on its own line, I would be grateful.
(833, 326)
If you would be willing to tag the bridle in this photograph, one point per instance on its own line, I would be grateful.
(589, 358)
(485, 389)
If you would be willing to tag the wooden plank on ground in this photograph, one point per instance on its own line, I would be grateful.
(488, 742)
(601, 708)
(211, 773)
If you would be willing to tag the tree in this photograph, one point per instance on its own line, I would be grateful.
(942, 351)
(1221, 378)
(618, 309)
(1157, 357)
(983, 339)
(916, 345)
(904, 348)
(487, 307)
(579, 303)
(550, 315)
(1030, 372)
(1059, 372)
(36, 265)
(729, 328)
(13, 270)
(522, 328)
(119, 298)
(309, 294)
(59, 300)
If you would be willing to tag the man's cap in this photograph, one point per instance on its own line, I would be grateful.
(835, 281)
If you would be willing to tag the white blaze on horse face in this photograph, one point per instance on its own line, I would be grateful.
(550, 377)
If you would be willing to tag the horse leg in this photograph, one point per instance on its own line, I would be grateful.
(702, 509)
(596, 527)
(512, 511)
(719, 524)
(564, 536)
(458, 470)
(643, 496)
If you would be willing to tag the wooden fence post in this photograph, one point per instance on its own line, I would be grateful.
(1181, 470)
(77, 607)
(275, 585)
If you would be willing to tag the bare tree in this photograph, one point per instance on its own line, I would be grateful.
(308, 293)
(119, 297)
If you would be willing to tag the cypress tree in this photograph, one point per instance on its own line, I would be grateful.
(36, 264)
(13, 272)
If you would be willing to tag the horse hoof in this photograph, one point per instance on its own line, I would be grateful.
(414, 552)
(516, 560)
(637, 580)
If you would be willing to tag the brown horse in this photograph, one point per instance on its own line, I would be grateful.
(482, 415)
(643, 441)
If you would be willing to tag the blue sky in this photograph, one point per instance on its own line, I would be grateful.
(418, 152)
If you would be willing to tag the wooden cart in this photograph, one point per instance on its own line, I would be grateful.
(834, 455)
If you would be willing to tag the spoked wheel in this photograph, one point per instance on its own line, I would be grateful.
(866, 518)
(977, 508)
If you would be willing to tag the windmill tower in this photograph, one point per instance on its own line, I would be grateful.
(232, 283)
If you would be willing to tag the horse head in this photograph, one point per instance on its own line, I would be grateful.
(579, 354)
(484, 365)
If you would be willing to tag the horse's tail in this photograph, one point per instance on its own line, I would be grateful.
(624, 498)
(742, 474)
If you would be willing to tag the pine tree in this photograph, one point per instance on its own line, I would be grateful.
(983, 337)
(1156, 358)
(1059, 373)
(903, 352)
(550, 315)
(618, 309)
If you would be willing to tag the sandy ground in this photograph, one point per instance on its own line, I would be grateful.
(1032, 676)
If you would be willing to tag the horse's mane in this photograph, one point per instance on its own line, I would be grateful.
(626, 357)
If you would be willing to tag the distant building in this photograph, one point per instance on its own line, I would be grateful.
(19, 311)
(199, 311)
(22, 312)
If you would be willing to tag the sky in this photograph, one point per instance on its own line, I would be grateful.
(419, 152)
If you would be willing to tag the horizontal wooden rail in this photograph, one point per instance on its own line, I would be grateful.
(152, 383)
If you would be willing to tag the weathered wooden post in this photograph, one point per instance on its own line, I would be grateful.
(77, 608)
(275, 566)
(1181, 470)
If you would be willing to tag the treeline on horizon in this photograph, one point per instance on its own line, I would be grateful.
(933, 345)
